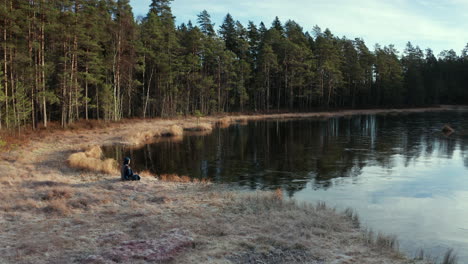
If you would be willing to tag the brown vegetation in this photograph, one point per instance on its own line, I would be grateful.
(108, 221)
(242, 121)
(200, 127)
(174, 178)
(147, 173)
(175, 131)
(181, 179)
(224, 122)
(450, 257)
(91, 160)
(51, 213)
(138, 137)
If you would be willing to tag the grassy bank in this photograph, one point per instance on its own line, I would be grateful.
(102, 220)
(62, 203)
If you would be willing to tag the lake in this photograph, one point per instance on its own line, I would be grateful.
(399, 171)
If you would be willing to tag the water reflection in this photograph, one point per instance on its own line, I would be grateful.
(399, 171)
(272, 154)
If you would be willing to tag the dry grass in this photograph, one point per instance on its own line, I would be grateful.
(174, 131)
(224, 122)
(242, 120)
(91, 160)
(94, 152)
(57, 207)
(450, 257)
(200, 127)
(279, 194)
(52, 214)
(181, 179)
(106, 221)
(174, 178)
(23, 205)
(139, 137)
(144, 136)
(353, 217)
(162, 249)
(147, 173)
(59, 193)
(11, 141)
(379, 241)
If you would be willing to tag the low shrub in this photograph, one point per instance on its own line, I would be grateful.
(200, 127)
(91, 160)
(224, 122)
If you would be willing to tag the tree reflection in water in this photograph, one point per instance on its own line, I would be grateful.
(291, 154)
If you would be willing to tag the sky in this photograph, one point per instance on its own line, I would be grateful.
(437, 24)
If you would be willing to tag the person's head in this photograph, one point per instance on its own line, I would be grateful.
(127, 161)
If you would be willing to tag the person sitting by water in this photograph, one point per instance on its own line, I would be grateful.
(127, 172)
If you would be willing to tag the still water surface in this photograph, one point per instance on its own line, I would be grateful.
(400, 173)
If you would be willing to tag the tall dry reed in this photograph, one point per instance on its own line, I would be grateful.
(91, 160)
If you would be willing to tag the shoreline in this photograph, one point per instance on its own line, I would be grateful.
(53, 212)
(155, 127)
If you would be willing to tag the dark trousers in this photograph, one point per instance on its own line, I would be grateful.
(134, 177)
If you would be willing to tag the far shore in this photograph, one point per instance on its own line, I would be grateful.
(56, 209)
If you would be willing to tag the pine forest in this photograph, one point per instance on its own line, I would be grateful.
(66, 60)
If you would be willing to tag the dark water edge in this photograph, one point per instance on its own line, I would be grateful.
(401, 173)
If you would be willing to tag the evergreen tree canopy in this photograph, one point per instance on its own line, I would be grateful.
(68, 60)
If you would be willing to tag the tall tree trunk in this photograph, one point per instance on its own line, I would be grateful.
(144, 82)
(75, 70)
(291, 91)
(117, 77)
(268, 88)
(147, 94)
(278, 99)
(322, 84)
(97, 104)
(5, 67)
(129, 92)
(64, 86)
(12, 85)
(43, 83)
(219, 84)
(70, 88)
(86, 85)
(33, 88)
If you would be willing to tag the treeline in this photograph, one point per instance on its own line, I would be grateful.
(65, 60)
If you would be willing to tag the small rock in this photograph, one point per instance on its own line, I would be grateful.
(447, 129)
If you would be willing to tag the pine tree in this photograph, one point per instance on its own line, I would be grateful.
(228, 33)
(151, 39)
(161, 7)
(329, 61)
(277, 25)
(353, 73)
(73, 59)
(206, 26)
(414, 86)
(93, 74)
(389, 77)
(268, 64)
(366, 62)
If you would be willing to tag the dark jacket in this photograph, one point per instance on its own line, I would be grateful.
(126, 172)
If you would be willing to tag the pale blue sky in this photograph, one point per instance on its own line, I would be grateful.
(438, 24)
